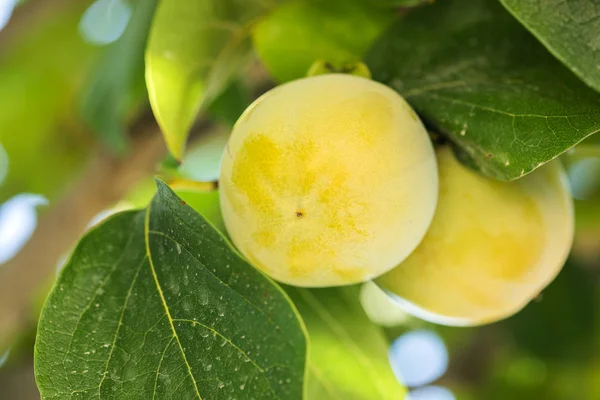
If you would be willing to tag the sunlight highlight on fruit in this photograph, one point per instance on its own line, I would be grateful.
(329, 180)
(492, 246)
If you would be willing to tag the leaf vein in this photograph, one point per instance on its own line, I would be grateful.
(183, 247)
(112, 347)
(162, 357)
(222, 336)
(113, 268)
(162, 296)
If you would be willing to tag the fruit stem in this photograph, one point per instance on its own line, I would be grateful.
(321, 67)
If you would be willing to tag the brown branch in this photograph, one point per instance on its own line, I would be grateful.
(105, 180)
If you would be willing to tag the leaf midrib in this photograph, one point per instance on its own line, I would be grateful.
(147, 232)
(494, 110)
(183, 247)
(162, 297)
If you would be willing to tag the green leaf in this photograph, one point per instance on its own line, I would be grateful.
(348, 354)
(562, 324)
(156, 304)
(568, 28)
(230, 104)
(473, 73)
(296, 34)
(194, 50)
(118, 79)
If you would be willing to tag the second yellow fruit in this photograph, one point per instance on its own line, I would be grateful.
(491, 248)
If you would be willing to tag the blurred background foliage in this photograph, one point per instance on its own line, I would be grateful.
(59, 57)
(43, 65)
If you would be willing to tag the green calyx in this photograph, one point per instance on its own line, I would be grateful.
(321, 67)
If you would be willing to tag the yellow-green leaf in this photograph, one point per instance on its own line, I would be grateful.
(348, 354)
(195, 47)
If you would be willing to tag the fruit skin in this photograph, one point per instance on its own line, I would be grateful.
(491, 248)
(327, 181)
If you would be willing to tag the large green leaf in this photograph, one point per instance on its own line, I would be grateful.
(570, 29)
(195, 48)
(348, 353)
(473, 73)
(296, 34)
(117, 80)
(156, 304)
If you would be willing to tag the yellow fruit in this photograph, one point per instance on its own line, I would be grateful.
(491, 248)
(328, 180)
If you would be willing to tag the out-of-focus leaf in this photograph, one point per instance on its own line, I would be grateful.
(297, 34)
(156, 304)
(587, 215)
(194, 50)
(568, 28)
(473, 73)
(348, 353)
(230, 104)
(403, 3)
(118, 81)
(562, 324)
(202, 161)
(41, 71)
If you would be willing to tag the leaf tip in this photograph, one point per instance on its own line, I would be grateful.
(160, 184)
(176, 147)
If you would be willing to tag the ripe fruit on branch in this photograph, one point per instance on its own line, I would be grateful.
(491, 248)
(328, 180)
